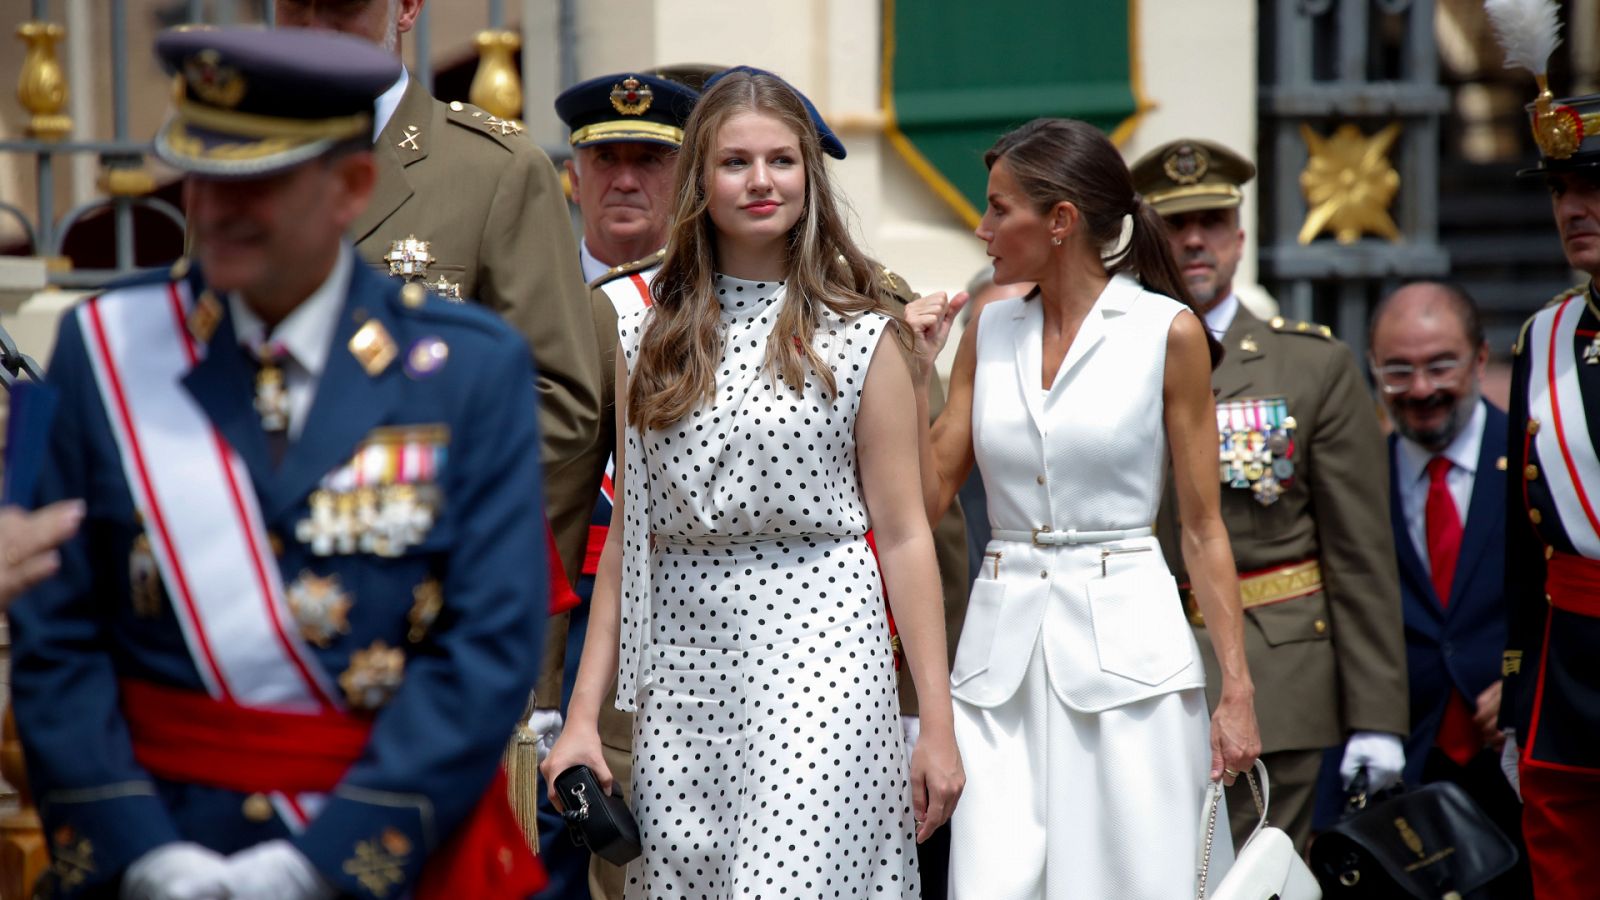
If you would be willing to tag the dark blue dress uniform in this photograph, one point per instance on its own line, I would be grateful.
(437, 740)
(1551, 695)
(424, 633)
(1551, 662)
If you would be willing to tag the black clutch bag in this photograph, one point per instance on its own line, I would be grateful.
(596, 819)
(1424, 843)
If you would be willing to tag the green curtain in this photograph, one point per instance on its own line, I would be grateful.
(959, 73)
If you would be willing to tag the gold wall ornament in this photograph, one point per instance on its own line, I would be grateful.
(42, 85)
(497, 87)
(1349, 183)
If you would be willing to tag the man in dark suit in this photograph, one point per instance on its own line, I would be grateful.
(1447, 487)
(283, 653)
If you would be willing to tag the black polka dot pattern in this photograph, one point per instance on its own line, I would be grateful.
(767, 753)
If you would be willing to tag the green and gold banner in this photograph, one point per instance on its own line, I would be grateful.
(959, 73)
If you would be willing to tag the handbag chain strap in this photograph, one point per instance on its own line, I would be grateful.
(1215, 801)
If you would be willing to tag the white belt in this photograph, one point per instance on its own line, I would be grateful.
(1044, 537)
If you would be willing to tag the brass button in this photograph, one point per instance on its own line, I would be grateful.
(275, 543)
(1548, 600)
(1534, 516)
(1319, 626)
(1549, 552)
(455, 106)
(1040, 479)
(1533, 426)
(1531, 472)
(257, 808)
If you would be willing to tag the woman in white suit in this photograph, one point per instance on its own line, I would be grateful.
(1080, 707)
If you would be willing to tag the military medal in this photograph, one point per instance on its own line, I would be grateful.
(450, 290)
(409, 258)
(1256, 441)
(373, 676)
(428, 600)
(272, 396)
(1591, 353)
(320, 607)
(144, 579)
(385, 500)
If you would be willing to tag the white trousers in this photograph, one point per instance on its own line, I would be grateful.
(1062, 804)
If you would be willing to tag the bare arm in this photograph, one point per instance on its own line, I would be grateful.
(1192, 436)
(945, 451)
(579, 743)
(886, 436)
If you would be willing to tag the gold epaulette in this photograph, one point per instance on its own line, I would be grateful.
(1564, 296)
(1310, 329)
(628, 268)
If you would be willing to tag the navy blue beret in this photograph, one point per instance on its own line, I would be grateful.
(830, 141)
(252, 101)
(629, 106)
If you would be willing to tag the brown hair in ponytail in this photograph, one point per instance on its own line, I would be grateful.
(1057, 160)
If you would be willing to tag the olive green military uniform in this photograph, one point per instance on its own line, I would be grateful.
(950, 546)
(489, 203)
(1329, 661)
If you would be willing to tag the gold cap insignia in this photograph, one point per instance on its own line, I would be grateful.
(144, 579)
(204, 317)
(373, 347)
(409, 257)
(213, 82)
(1186, 164)
(631, 97)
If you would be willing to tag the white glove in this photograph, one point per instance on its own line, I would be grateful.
(176, 871)
(1382, 754)
(1508, 762)
(274, 870)
(911, 728)
(545, 726)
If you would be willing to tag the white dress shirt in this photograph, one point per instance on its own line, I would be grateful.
(387, 103)
(1411, 474)
(592, 268)
(1219, 318)
(306, 333)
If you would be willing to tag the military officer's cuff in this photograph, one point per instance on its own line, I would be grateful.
(370, 843)
(95, 833)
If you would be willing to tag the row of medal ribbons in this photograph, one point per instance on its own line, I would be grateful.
(1256, 446)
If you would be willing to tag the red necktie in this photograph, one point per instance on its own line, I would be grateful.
(1444, 529)
(1458, 736)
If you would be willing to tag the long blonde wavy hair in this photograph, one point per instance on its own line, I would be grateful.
(682, 344)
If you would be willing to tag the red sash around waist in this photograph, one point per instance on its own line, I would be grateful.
(186, 736)
(1573, 583)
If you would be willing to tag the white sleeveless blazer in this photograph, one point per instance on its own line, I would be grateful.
(1088, 454)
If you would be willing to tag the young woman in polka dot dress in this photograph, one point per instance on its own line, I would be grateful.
(766, 421)
(1079, 689)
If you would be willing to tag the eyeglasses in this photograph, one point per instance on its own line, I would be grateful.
(1397, 378)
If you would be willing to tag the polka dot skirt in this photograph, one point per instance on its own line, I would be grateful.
(768, 760)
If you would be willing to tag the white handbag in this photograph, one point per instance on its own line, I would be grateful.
(1267, 865)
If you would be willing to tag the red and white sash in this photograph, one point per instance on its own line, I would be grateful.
(200, 512)
(1555, 400)
(627, 295)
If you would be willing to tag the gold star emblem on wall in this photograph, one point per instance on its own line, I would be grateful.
(1349, 183)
